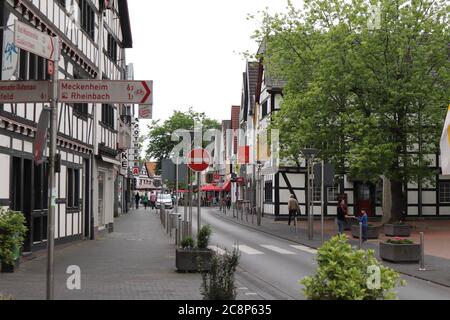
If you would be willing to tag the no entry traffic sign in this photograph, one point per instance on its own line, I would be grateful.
(106, 91)
(198, 160)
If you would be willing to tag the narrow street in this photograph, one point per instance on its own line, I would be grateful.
(281, 264)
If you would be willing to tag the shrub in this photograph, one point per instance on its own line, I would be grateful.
(203, 237)
(400, 241)
(188, 243)
(218, 283)
(343, 274)
(12, 234)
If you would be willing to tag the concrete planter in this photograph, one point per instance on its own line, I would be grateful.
(397, 230)
(400, 253)
(349, 223)
(193, 260)
(373, 233)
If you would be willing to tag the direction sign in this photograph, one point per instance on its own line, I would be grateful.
(24, 91)
(35, 41)
(198, 160)
(106, 91)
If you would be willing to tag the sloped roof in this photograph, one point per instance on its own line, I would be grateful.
(252, 81)
(125, 23)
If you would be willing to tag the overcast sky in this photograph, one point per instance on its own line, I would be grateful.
(190, 49)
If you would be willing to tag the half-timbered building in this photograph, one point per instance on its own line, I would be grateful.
(89, 151)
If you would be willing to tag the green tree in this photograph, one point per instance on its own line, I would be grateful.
(160, 144)
(372, 99)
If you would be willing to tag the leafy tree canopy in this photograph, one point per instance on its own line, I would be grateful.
(366, 95)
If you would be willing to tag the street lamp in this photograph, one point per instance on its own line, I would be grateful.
(310, 154)
(259, 167)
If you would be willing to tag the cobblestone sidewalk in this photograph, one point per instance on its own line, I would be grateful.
(137, 262)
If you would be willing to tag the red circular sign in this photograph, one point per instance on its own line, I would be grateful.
(198, 160)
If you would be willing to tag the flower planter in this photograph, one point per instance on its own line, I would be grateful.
(373, 233)
(7, 268)
(397, 230)
(193, 260)
(400, 253)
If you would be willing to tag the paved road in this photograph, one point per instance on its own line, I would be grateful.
(278, 265)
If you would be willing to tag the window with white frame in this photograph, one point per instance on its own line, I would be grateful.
(444, 191)
(333, 193)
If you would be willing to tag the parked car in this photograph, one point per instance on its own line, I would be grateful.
(164, 199)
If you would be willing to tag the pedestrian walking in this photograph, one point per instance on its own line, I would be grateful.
(293, 208)
(145, 201)
(137, 198)
(153, 201)
(229, 203)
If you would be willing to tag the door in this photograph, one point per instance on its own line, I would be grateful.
(101, 201)
(365, 198)
(87, 198)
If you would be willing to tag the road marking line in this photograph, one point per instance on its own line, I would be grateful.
(248, 250)
(305, 249)
(217, 250)
(243, 289)
(251, 294)
(278, 250)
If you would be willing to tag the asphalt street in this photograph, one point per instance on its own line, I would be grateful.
(279, 265)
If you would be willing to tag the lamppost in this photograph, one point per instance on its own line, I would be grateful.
(310, 154)
(259, 167)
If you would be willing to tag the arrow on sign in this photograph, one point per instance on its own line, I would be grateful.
(148, 90)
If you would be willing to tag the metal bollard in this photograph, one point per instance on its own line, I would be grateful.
(422, 252)
(360, 235)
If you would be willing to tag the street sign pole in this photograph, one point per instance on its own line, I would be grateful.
(199, 204)
(52, 178)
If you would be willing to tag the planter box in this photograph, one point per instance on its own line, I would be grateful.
(397, 230)
(193, 260)
(400, 253)
(349, 223)
(373, 233)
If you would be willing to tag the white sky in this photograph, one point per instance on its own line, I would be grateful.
(190, 49)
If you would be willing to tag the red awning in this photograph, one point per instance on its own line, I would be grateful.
(227, 186)
(211, 188)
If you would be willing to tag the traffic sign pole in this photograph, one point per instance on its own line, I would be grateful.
(199, 205)
(52, 181)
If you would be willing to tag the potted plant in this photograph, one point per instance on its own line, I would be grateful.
(397, 229)
(373, 232)
(344, 274)
(400, 251)
(12, 236)
(219, 283)
(191, 258)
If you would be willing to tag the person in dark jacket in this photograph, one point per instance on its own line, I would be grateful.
(341, 216)
(137, 198)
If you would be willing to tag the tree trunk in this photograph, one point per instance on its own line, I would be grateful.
(387, 201)
(397, 207)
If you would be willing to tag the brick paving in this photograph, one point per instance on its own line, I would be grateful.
(137, 262)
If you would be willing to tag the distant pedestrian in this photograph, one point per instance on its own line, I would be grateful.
(341, 216)
(228, 203)
(364, 220)
(153, 201)
(293, 208)
(137, 198)
(145, 201)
